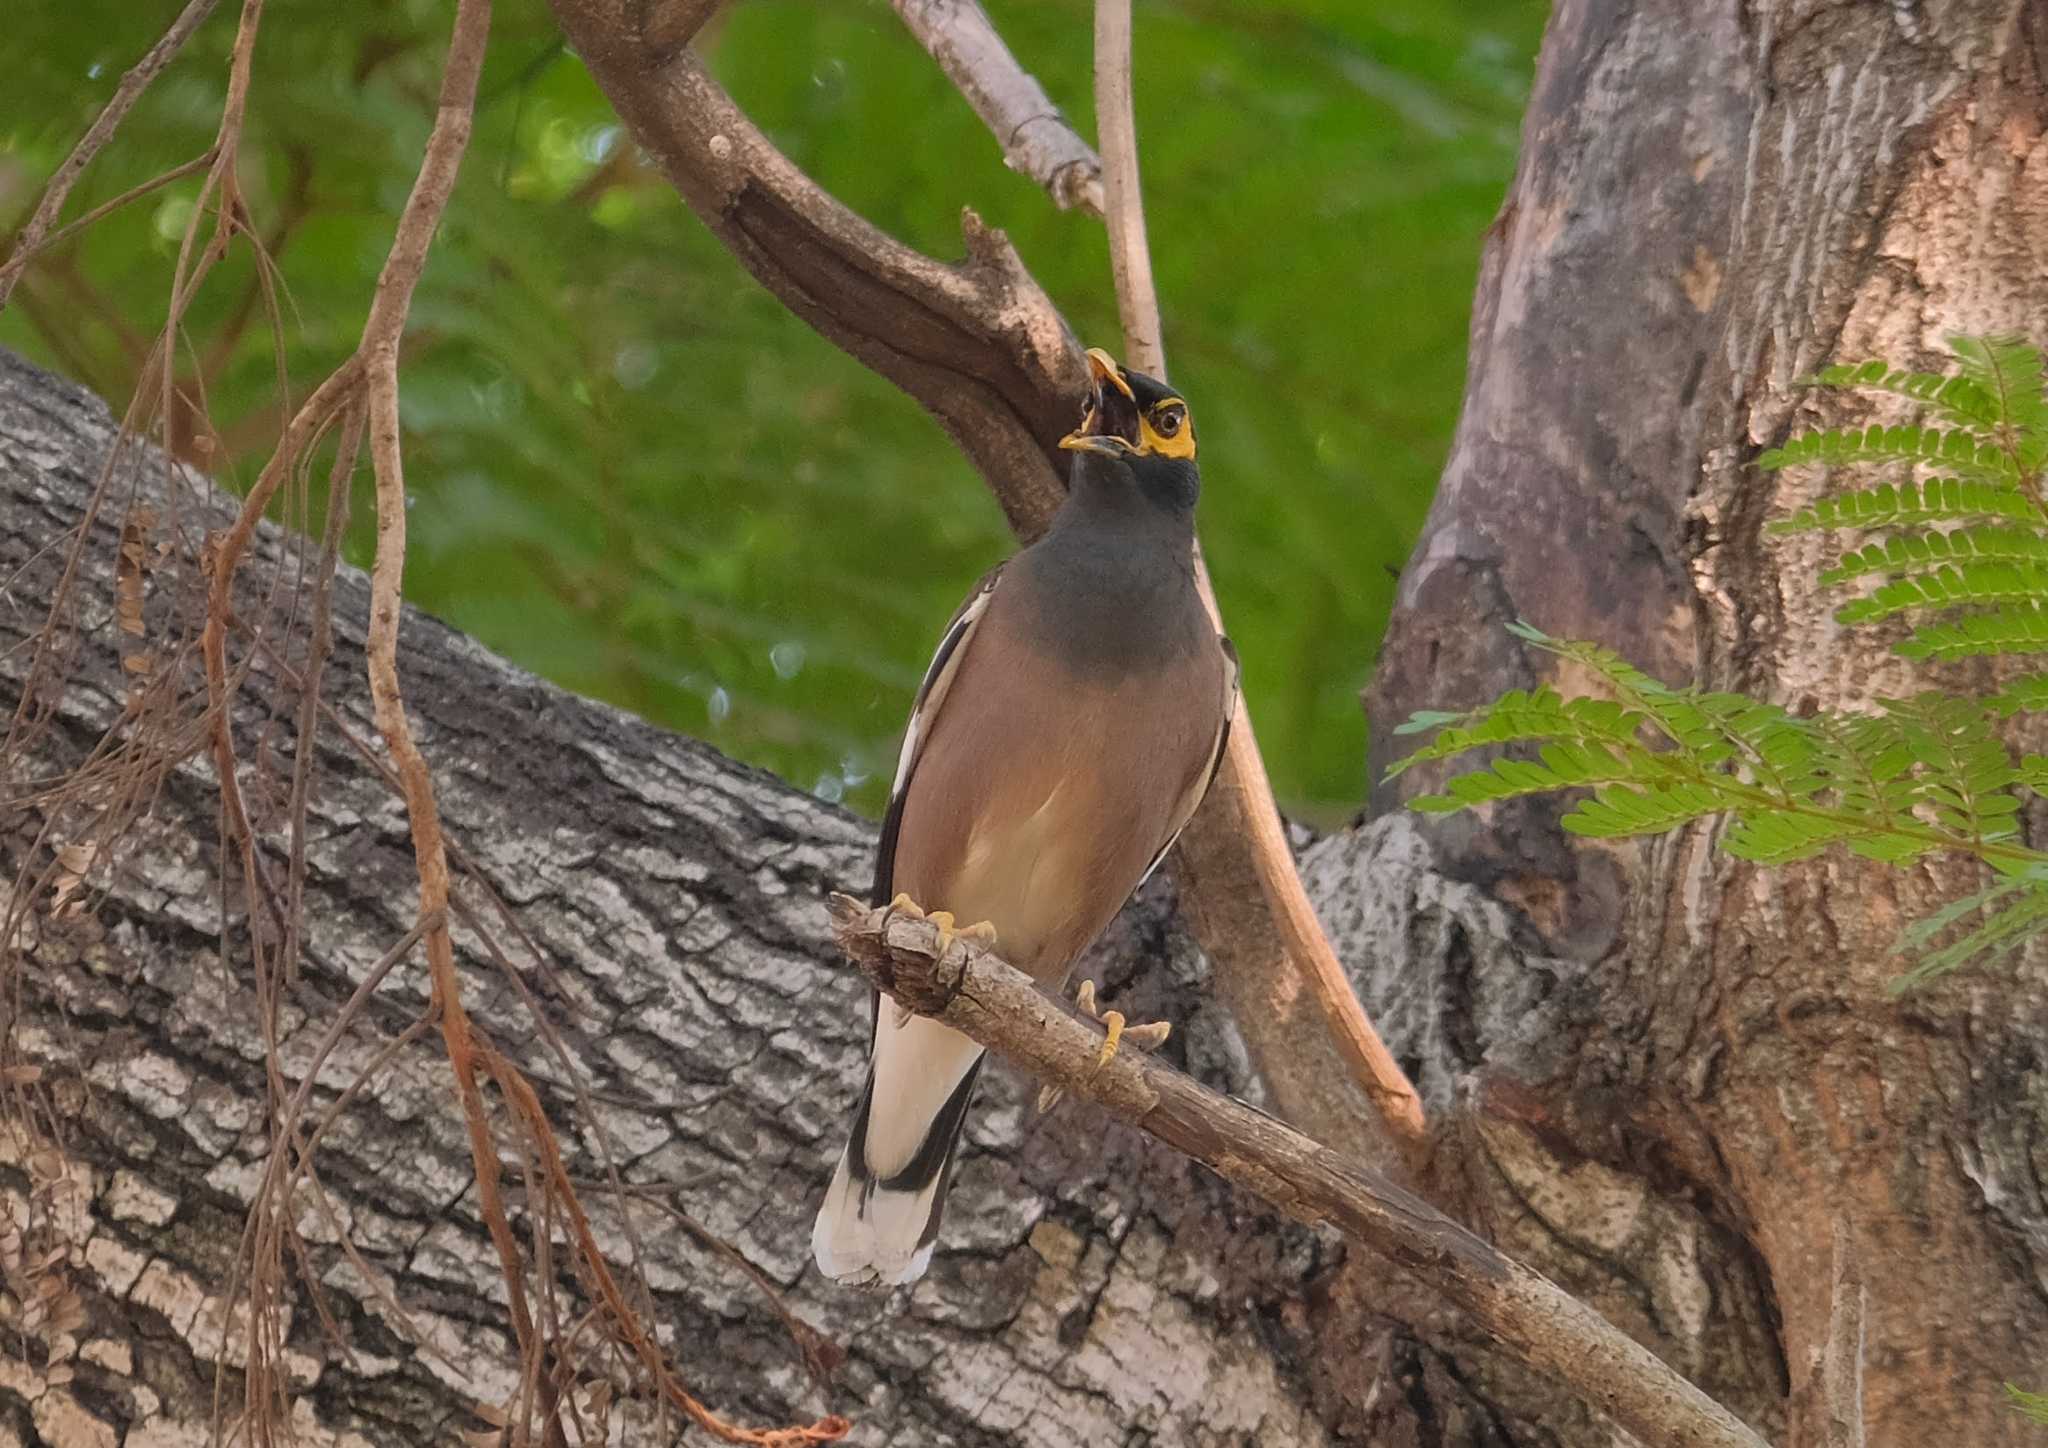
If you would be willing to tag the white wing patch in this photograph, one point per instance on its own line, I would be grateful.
(938, 679)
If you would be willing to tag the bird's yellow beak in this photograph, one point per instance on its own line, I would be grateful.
(1110, 425)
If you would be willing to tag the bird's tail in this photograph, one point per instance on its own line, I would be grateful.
(881, 1213)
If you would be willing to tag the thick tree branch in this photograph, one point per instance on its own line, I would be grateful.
(984, 997)
(1036, 139)
(977, 343)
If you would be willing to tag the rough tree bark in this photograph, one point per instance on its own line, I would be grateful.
(1712, 202)
(1094, 1287)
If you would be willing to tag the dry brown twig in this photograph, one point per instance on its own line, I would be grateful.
(979, 994)
(36, 234)
(1231, 924)
(1037, 140)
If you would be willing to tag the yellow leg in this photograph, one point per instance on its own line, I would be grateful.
(1148, 1037)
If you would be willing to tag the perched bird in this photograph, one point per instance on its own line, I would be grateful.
(1071, 720)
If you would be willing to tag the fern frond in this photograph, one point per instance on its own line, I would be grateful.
(1962, 400)
(1958, 450)
(1917, 550)
(2023, 695)
(1965, 774)
(2002, 931)
(1868, 767)
(2008, 369)
(1937, 500)
(1520, 717)
(2013, 628)
(1650, 810)
(1561, 766)
(1951, 586)
(1769, 838)
(2029, 1405)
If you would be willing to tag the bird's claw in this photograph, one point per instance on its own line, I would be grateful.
(1117, 1032)
(982, 933)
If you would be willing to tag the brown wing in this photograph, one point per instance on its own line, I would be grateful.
(1233, 673)
(931, 694)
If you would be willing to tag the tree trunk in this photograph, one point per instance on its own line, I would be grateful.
(1094, 1288)
(1713, 202)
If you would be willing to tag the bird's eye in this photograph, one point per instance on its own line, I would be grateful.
(1166, 422)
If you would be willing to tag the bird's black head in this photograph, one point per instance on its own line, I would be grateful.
(1137, 424)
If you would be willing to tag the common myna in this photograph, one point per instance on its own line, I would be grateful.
(1069, 724)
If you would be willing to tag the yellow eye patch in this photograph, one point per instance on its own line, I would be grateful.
(1167, 430)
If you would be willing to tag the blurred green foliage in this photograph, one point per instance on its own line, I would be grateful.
(636, 474)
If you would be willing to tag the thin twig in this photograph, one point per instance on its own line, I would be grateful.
(1036, 139)
(126, 94)
(980, 995)
(1297, 948)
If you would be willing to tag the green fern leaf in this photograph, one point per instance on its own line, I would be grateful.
(1916, 550)
(1958, 450)
(1520, 716)
(2023, 695)
(1961, 400)
(2009, 372)
(2013, 628)
(2002, 931)
(1965, 774)
(2029, 1405)
(1950, 586)
(1780, 839)
(1937, 500)
(1651, 810)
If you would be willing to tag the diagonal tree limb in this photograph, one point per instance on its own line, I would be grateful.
(982, 348)
(984, 997)
(1036, 139)
(1263, 928)
(977, 343)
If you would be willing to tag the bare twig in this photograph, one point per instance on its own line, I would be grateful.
(130, 90)
(984, 997)
(1036, 139)
(1130, 258)
(1266, 937)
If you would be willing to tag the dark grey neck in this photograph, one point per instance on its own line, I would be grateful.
(1114, 577)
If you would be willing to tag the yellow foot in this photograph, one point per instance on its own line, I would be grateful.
(1117, 1032)
(981, 933)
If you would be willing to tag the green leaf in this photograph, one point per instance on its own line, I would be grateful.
(1936, 500)
(1959, 450)
(1950, 586)
(1961, 400)
(2003, 931)
(1910, 551)
(1423, 720)
(2012, 628)
(2029, 1405)
(2009, 372)
(1651, 810)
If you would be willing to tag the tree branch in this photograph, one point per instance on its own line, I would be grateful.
(975, 992)
(977, 343)
(126, 94)
(1036, 139)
